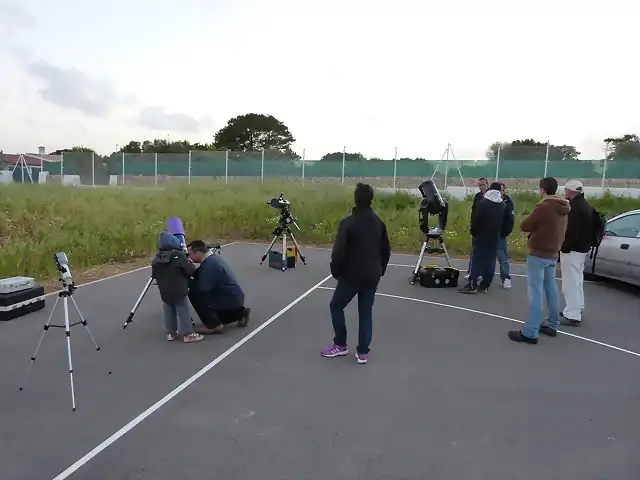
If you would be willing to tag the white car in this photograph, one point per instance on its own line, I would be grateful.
(618, 256)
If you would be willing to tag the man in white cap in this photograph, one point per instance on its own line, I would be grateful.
(577, 243)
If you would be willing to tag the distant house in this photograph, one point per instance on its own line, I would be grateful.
(50, 163)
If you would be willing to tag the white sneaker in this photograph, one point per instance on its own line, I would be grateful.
(506, 284)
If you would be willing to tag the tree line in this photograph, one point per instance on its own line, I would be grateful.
(252, 132)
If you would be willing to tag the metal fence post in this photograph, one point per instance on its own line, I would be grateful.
(446, 168)
(61, 167)
(344, 158)
(155, 168)
(604, 169)
(189, 167)
(93, 169)
(262, 167)
(546, 160)
(395, 160)
(226, 166)
(498, 163)
(123, 168)
(303, 156)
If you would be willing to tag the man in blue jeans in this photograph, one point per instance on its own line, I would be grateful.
(503, 245)
(546, 226)
(359, 259)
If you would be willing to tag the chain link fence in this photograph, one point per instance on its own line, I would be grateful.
(519, 168)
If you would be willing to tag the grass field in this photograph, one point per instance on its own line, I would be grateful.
(112, 225)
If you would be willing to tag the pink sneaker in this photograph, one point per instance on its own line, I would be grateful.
(334, 351)
(192, 337)
(362, 357)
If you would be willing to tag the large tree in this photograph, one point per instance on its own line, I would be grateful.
(161, 145)
(529, 149)
(626, 147)
(348, 157)
(253, 132)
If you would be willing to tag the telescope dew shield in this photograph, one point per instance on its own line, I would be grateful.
(432, 204)
(175, 228)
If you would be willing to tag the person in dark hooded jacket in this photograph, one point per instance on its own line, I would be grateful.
(486, 228)
(171, 270)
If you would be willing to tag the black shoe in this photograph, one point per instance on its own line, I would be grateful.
(245, 318)
(569, 322)
(517, 336)
(467, 289)
(547, 330)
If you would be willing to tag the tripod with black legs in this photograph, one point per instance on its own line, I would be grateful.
(66, 294)
(281, 231)
(434, 235)
(215, 249)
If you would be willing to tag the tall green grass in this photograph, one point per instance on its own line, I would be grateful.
(106, 225)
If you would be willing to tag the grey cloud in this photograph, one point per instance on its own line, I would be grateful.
(70, 88)
(15, 16)
(158, 119)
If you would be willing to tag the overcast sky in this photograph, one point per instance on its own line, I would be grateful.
(368, 74)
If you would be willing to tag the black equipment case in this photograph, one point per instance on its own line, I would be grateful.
(22, 302)
(433, 276)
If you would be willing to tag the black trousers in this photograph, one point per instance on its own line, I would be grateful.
(210, 316)
(343, 294)
(483, 264)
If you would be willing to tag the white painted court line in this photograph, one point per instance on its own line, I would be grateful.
(92, 282)
(137, 420)
(496, 273)
(480, 312)
(312, 247)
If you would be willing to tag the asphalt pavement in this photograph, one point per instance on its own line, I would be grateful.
(445, 394)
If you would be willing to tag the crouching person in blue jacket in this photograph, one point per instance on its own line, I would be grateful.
(214, 292)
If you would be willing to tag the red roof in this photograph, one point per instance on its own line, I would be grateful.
(31, 159)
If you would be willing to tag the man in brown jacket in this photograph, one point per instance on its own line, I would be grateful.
(546, 226)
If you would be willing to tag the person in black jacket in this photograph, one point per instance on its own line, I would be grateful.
(483, 185)
(172, 270)
(507, 228)
(576, 245)
(486, 228)
(359, 259)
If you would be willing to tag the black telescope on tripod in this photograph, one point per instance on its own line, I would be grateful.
(432, 204)
(282, 230)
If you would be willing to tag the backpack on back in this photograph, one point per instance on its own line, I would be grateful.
(599, 227)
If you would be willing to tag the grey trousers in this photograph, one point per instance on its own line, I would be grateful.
(173, 312)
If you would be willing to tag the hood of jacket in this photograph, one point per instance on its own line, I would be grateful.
(559, 204)
(493, 195)
(167, 242)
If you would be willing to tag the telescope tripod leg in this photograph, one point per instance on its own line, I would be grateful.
(268, 249)
(446, 253)
(414, 277)
(35, 353)
(283, 260)
(137, 304)
(295, 242)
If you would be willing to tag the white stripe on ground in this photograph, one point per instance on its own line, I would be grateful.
(496, 273)
(92, 282)
(137, 420)
(480, 312)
